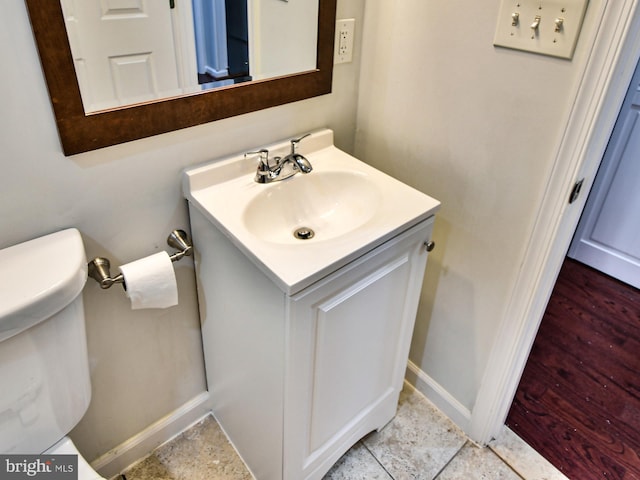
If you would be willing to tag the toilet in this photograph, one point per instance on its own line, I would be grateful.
(44, 366)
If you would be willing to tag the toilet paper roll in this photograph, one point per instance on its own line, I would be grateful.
(151, 282)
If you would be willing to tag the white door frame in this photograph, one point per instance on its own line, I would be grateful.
(603, 86)
(606, 237)
(211, 49)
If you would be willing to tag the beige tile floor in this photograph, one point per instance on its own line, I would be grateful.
(420, 443)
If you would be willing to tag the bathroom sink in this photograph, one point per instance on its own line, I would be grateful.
(301, 229)
(329, 204)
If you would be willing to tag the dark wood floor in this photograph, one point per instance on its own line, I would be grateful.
(578, 403)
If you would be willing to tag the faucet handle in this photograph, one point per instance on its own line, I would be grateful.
(264, 170)
(263, 156)
(295, 141)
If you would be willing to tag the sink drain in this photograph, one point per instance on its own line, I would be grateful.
(303, 233)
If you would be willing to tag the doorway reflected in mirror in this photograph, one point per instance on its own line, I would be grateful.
(222, 43)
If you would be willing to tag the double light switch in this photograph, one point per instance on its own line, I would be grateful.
(547, 27)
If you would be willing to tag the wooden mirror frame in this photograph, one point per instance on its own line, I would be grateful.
(80, 132)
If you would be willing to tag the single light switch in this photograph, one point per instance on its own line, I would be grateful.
(547, 27)
(536, 24)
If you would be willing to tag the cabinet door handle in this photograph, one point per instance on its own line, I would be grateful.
(430, 245)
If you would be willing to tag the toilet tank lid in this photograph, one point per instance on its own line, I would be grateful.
(38, 278)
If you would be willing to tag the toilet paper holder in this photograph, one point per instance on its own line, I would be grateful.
(99, 266)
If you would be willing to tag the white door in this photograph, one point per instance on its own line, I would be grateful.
(608, 235)
(124, 50)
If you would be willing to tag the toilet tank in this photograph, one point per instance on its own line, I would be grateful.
(44, 371)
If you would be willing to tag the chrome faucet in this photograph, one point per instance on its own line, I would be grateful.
(283, 168)
(297, 160)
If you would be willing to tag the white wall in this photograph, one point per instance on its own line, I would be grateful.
(125, 200)
(477, 127)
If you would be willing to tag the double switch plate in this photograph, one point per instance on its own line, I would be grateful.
(547, 27)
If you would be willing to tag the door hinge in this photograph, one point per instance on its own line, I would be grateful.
(575, 191)
(172, 3)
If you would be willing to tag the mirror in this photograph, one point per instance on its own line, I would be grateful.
(80, 132)
(127, 51)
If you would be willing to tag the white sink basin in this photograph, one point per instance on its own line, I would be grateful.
(350, 206)
(330, 203)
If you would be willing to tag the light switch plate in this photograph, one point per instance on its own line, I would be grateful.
(547, 27)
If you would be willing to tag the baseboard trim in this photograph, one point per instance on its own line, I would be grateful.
(452, 408)
(119, 458)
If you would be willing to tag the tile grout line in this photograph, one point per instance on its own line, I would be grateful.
(488, 447)
(450, 460)
(377, 461)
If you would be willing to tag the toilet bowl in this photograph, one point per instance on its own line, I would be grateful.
(45, 387)
(66, 447)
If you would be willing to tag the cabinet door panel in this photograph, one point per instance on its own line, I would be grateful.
(347, 346)
(356, 335)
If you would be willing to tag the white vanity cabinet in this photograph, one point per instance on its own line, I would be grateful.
(295, 380)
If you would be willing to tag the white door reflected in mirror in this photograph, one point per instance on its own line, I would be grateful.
(129, 51)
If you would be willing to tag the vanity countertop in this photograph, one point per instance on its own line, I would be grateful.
(351, 207)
